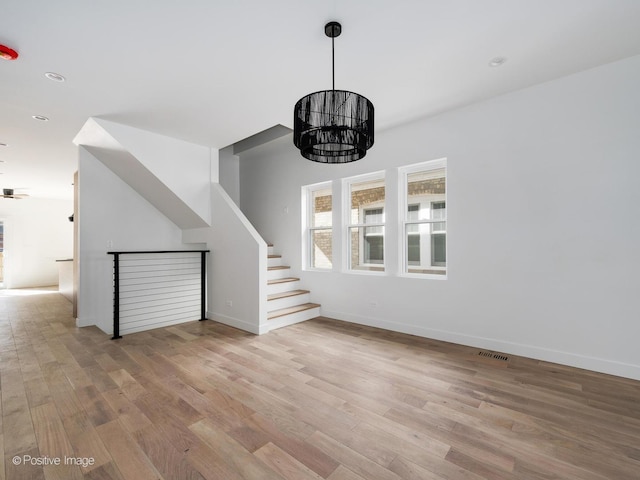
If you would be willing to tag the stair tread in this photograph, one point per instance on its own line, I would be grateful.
(291, 293)
(278, 267)
(274, 256)
(282, 280)
(290, 310)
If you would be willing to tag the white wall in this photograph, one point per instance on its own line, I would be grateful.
(543, 223)
(237, 275)
(37, 232)
(230, 173)
(112, 216)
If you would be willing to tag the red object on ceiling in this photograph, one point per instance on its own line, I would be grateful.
(8, 53)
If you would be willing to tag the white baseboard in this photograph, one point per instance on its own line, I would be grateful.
(105, 325)
(595, 364)
(234, 322)
(86, 322)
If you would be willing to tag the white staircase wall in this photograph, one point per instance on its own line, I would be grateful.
(171, 174)
(126, 172)
(237, 274)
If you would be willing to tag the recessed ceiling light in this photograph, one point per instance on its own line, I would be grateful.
(497, 61)
(42, 118)
(56, 77)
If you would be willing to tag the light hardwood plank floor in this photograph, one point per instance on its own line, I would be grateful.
(319, 400)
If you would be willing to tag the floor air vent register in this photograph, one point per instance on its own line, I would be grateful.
(496, 356)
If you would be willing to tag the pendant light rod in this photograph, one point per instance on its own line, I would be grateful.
(333, 65)
(332, 30)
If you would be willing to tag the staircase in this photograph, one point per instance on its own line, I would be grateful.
(286, 302)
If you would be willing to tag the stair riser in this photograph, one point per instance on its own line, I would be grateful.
(269, 250)
(274, 262)
(282, 287)
(297, 317)
(280, 273)
(287, 302)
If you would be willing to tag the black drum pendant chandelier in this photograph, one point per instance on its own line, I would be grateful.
(333, 126)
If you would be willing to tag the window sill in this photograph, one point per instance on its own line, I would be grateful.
(375, 273)
(425, 276)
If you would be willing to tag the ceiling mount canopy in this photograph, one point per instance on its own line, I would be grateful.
(333, 126)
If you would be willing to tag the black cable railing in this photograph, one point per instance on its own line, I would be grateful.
(157, 288)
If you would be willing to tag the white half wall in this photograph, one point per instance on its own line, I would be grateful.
(237, 274)
(37, 232)
(112, 217)
(543, 223)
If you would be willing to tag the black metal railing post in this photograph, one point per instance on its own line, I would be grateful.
(116, 296)
(203, 293)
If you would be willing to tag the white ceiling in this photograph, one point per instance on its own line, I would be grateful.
(214, 72)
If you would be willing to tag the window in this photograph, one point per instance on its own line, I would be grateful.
(365, 222)
(418, 223)
(424, 226)
(319, 227)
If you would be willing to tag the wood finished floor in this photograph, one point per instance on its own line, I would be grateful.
(321, 399)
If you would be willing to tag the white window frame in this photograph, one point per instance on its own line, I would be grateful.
(308, 228)
(347, 225)
(403, 204)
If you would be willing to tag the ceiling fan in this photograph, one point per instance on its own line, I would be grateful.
(9, 193)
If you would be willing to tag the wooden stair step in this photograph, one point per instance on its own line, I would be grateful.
(274, 256)
(282, 280)
(291, 293)
(278, 267)
(290, 310)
